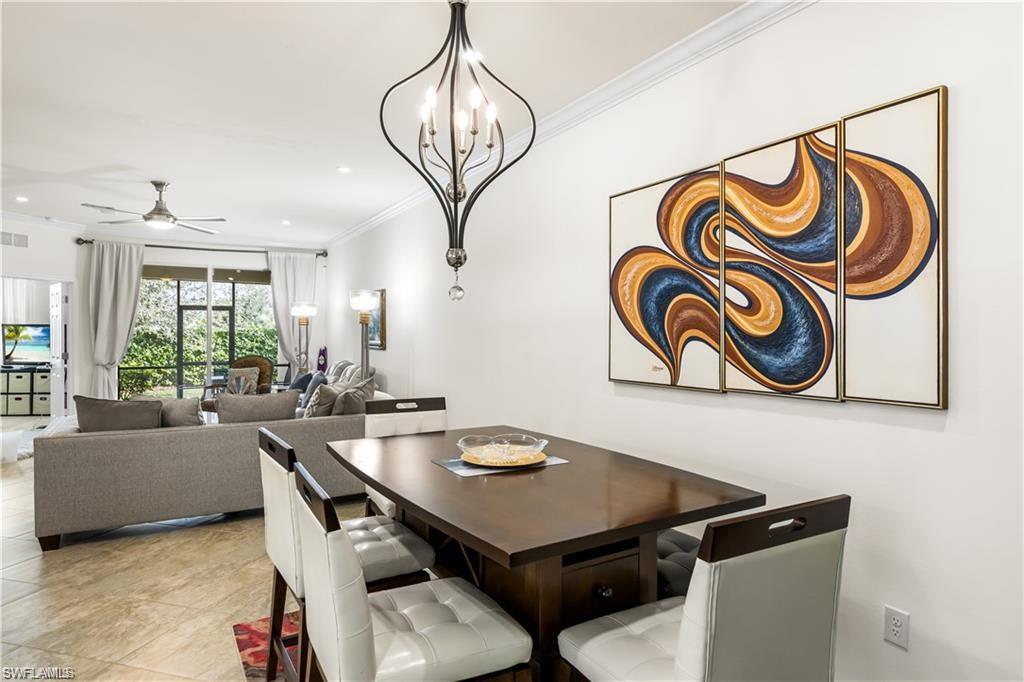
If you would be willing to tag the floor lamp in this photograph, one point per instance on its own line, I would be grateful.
(303, 311)
(364, 301)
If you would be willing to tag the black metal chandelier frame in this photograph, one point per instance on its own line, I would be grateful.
(458, 51)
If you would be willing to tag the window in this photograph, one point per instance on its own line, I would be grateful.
(191, 324)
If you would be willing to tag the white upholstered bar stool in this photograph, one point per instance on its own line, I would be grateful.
(438, 630)
(389, 553)
(761, 606)
(400, 418)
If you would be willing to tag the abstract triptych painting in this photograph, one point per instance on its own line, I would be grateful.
(810, 267)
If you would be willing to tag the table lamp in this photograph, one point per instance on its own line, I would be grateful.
(364, 301)
(303, 310)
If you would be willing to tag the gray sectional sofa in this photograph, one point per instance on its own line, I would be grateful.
(92, 481)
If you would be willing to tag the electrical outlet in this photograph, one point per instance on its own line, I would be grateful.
(897, 627)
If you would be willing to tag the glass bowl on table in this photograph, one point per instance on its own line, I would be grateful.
(506, 450)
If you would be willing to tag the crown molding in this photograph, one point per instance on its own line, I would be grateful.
(748, 19)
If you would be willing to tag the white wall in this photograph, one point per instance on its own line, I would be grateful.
(936, 526)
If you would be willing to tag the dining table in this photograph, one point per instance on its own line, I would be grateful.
(553, 545)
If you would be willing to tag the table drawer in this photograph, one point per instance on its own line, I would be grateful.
(596, 589)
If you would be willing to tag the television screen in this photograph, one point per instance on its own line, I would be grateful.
(26, 343)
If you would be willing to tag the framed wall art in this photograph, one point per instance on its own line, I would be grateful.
(664, 275)
(781, 257)
(895, 268)
(378, 329)
(811, 267)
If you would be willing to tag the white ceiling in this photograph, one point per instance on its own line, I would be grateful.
(250, 108)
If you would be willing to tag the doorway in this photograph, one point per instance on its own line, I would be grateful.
(35, 381)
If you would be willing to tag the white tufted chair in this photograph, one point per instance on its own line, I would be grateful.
(761, 606)
(399, 418)
(389, 553)
(437, 630)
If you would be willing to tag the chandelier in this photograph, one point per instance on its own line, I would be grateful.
(460, 145)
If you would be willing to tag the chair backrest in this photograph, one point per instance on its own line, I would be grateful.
(762, 601)
(265, 366)
(403, 417)
(277, 463)
(337, 608)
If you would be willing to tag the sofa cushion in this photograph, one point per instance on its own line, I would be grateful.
(337, 368)
(322, 402)
(243, 380)
(353, 398)
(233, 409)
(96, 414)
(180, 412)
(176, 411)
(301, 382)
(318, 380)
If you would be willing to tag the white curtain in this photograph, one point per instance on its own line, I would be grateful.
(292, 279)
(25, 301)
(115, 275)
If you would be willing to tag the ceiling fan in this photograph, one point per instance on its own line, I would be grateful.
(159, 217)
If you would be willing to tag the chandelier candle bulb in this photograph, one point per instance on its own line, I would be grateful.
(463, 123)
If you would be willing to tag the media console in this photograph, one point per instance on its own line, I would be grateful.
(25, 390)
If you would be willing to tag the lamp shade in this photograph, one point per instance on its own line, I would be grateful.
(303, 309)
(363, 300)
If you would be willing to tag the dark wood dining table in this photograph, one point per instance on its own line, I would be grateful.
(554, 546)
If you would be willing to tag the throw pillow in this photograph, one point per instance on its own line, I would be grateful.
(354, 373)
(95, 414)
(176, 411)
(354, 397)
(180, 412)
(301, 382)
(242, 380)
(337, 368)
(322, 402)
(233, 409)
(317, 380)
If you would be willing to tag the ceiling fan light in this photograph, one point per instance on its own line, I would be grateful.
(159, 222)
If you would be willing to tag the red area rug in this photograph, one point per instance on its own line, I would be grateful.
(251, 640)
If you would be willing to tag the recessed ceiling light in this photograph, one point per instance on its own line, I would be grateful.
(286, 222)
(344, 169)
(21, 200)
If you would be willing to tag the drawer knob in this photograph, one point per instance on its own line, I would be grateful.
(603, 592)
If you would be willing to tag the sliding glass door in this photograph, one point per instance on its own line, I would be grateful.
(191, 324)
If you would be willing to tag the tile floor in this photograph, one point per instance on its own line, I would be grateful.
(149, 602)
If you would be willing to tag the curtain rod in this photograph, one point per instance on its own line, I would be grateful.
(321, 252)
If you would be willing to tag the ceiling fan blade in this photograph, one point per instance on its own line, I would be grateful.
(205, 219)
(120, 222)
(110, 209)
(197, 228)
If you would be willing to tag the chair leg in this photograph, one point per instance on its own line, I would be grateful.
(277, 597)
(305, 648)
(313, 673)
